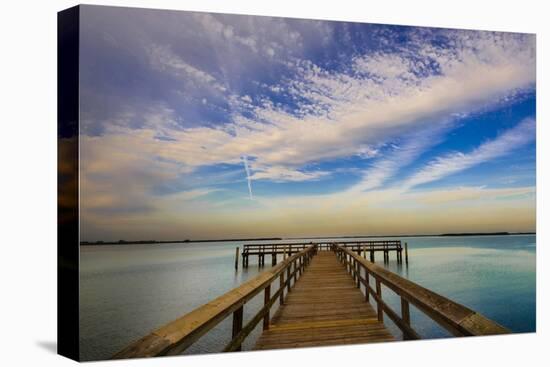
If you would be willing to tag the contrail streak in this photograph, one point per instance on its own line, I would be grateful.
(247, 169)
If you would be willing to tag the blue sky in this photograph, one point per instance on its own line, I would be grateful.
(198, 125)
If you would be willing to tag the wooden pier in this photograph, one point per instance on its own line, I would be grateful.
(307, 318)
(327, 295)
(261, 250)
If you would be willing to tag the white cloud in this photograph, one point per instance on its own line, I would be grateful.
(344, 111)
(505, 143)
(162, 57)
(384, 66)
(282, 174)
(399, 156)
(337, 112)
(217, 30)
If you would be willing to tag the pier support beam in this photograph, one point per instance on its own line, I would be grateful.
(237, 258)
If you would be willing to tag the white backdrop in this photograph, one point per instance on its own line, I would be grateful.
(28, 181)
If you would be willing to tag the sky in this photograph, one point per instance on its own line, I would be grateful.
(204, 126)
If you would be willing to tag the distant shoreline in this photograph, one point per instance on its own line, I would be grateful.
(155, 242)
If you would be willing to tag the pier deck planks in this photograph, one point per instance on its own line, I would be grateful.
(324, 308)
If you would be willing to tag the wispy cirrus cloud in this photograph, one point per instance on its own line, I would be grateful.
(163, 58)
(284, 174)
(398, 157)
(340, 111)
(452, 163)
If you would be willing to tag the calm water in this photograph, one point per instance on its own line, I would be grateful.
(127, 291)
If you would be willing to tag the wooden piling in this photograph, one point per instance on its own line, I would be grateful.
(406, 254)
(237, 258)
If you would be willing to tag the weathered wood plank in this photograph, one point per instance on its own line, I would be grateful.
(325, 307)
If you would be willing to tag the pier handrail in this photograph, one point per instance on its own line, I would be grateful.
(176, 336)
(316, 242)
(258, 248)
(454, 317)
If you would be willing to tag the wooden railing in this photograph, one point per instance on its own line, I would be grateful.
(176, 336)
(455, 318)
(279, 248)
(261, 250)
(274, 248)
(372, 245)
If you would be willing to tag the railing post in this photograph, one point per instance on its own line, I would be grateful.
(356, 269)
(355, 263)
(358, 274)
(367, 295)
(405, 315)
(379, 301)
(288, 278)
(267, 296)
(237, 324)
(295, 269)
(282, 287)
